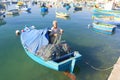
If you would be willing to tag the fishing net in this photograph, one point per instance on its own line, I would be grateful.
(55, 50)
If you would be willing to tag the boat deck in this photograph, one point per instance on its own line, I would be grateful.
(115, 74)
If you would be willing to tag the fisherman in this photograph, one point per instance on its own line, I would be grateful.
(55, 32)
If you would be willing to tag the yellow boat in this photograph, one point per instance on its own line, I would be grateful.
(20, 3)
(62, 14)
(63, 17)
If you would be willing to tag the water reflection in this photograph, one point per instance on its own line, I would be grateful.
(44, 13)
(15, 15)
(76, 11)
(2, 22)
(28, 11)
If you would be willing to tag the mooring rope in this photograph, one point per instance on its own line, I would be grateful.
(99, 69)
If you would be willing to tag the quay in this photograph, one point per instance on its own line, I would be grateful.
(115, 74)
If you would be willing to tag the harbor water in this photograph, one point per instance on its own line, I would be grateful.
(98, 49)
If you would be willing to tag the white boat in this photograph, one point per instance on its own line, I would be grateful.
(23, 8)
(62, 14)
(12, 12)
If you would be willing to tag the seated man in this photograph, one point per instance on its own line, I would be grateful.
(55, 32)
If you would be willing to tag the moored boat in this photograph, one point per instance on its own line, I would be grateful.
(2, 15)
(108, 19)
(63, 17)
(62, 14)
(36, 45)
(12, 12)
(102, 11)
(2, 11)
(24, 8)
(104, 27)
(102, 31)
(44, 9)
(20, 3)
(78, 8)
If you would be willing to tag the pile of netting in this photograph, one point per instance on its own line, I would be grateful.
(53, 51)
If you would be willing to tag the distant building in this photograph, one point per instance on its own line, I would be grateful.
(107, 1)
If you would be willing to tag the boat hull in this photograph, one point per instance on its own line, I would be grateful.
(102, 31)
(34, 40)
(12, 12)
(62, 14)
(113, 22)
(103, 27)
(102, 11)
(44, 9)
(61, 66)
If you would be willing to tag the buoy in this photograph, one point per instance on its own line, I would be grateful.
(17, 32)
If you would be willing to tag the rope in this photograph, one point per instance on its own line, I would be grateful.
(99, 69)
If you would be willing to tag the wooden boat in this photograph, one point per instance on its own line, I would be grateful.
(112, 22)
(102, 31)
(24, 8)
(63, 17)
(104, 27)
(2, 15)
(78, 8)
(2, 11)
(44, 9)
(102, 11)
(33, 39)
(12, 12)
(62, 14)
(20, 3)
(108, 19)
(67, 6)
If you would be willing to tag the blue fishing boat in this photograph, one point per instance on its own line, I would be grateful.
(34, 40)
(108, 19)
(103, 26)
(102, 31)
(113, 22)
(44, 9)
(67, 6)
(103, 11)
(77, 8)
